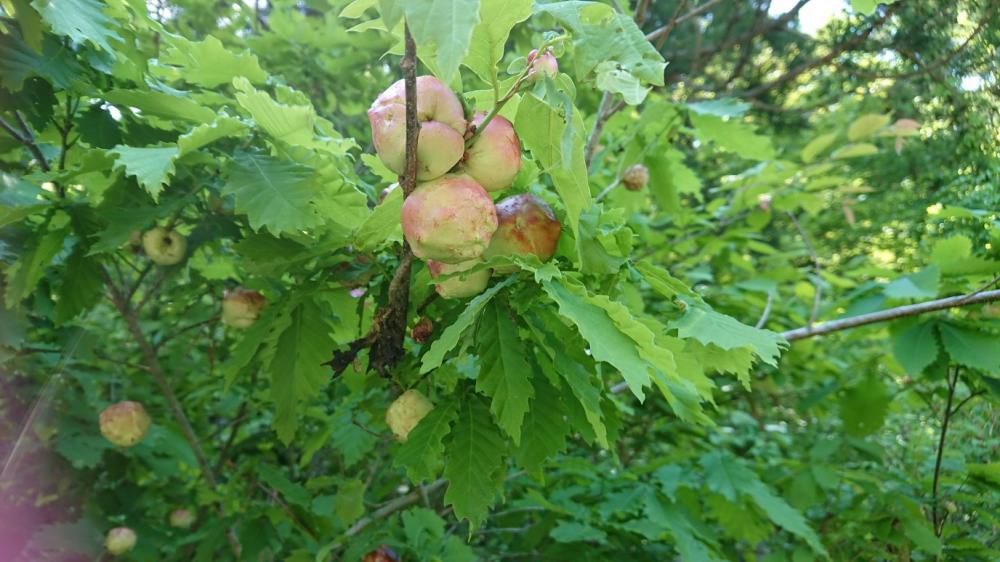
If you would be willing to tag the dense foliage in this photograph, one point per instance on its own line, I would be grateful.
(200, 264)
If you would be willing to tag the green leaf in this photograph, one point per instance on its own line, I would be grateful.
(571, 531)
(18, 62)
(293, 124)
(865, 7)
(274, 194)
(724, 475)
(444, 27)
(864, 406)
(728, 107)
(422, 528)
(356, 9)
(923, 284)
(607, 342)
(662, 281)
(541, 128)
(30, 24)
(611, 77)
(210, 132)
(915, 345)
(739, 519)
(545, 429)
(349, 503)
(297, 370)
(709, 327)
(24, 275)
(972, 348)
(989, 472)
(423, 451)
(732, 135)
(159, 104)
(382, 225)
(584, 388)
(292, 492)
(785, 516)
(80, 20)
(854, 151)
(208, 63)
(600, 35)
(98, 128)
(151, 166)
(82, 286)
(727, 476)
(451, 335)
(496, 19)
(918, 529)
(391, 12)
(349, 439)
(817, 146)
(866, 126)
(474, 464)
(672, 518)
(504, 375)
(954, 257)
(669, 178)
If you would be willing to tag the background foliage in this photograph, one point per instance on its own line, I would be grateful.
(633, 398)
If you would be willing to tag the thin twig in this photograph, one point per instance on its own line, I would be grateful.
(674, 22)
(817, 268)
(187, 328)
(26, 138)
(604, 192)
(767, 311)
(142, 275)
(965, 400)
(603, 114)
(984, 287)
(952, 383)
(236, 424)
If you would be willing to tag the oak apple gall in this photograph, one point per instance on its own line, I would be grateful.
(382, 554)
(450, 219)
(636, 177)
(181, 518)
(543, 65)
(422, 330)
(241, 308)
(527, 225)
(120, 540)
(164, 247)
(461, 286)
(406, 411)
(124, 423)
(494, 159)
(440, 142)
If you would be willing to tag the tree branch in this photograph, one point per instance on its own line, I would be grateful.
(395, 505)
(389, 327)
(160, 378)
(927, 68)
(832, 326)
(821, 61)
(756, 31)
(26, 138)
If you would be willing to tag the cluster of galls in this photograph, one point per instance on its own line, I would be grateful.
(450, 219)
